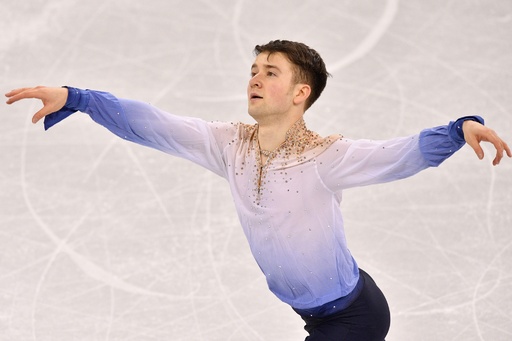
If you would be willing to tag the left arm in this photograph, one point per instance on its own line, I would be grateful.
(363, 162)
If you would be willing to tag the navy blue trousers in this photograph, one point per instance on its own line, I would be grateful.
(366, 319)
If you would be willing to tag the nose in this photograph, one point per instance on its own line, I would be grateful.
(255, 81)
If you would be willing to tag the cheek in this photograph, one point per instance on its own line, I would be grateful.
(281, 95)
(276, 91)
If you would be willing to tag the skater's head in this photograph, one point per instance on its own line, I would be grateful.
(307, 65)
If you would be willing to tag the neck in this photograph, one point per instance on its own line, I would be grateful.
(272, 135)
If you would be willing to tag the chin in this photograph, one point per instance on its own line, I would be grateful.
(252, 113)
(255, 117)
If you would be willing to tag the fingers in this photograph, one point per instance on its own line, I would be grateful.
(53, 99)
(40, 114)
(499, 144)
(15, 91)
(508, 150)
(23, 93)
(476, 133)
(475, 144)
(11, 95)
(504, 148)
(18, 94)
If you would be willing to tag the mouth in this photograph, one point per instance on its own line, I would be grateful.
(254, 96)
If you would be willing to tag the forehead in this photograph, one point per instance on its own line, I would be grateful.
(276, 59)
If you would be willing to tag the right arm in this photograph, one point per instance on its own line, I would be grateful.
(190, 138)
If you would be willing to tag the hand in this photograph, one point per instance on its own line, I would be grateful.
(53, 99)
(474, 133)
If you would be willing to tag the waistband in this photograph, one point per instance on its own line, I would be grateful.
(333, 307)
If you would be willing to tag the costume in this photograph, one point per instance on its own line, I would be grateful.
(289, 208)
(367, 318)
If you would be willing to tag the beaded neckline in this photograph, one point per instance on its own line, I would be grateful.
(298, 140)
(298, 137)
(266, 153)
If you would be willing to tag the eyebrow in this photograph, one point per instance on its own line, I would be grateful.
(266, 66)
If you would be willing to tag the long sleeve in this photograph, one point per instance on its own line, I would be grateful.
(190, 138)
(364, 162)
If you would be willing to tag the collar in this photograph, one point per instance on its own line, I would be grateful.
(297, 139)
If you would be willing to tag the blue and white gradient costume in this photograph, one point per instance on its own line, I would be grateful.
(289, 207)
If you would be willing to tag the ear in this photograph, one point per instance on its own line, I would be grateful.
(302, 92)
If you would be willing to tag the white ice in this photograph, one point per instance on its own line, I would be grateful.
(106, 240)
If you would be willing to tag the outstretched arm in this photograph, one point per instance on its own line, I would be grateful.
(191, 138)
(474, 133)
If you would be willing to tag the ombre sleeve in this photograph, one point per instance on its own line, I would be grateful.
(350, 163)
(141, 123)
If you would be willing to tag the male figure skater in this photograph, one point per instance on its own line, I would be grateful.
(286, 181)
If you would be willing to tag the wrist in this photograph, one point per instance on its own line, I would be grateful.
(77, 99)
(456, 129)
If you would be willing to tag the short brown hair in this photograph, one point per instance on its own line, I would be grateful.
(308, 65)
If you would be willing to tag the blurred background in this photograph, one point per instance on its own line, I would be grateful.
(102, 239)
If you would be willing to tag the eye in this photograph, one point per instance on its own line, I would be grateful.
(271, 74)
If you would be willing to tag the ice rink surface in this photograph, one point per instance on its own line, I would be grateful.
(102, 239)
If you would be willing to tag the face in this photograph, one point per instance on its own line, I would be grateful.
(271, 88)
